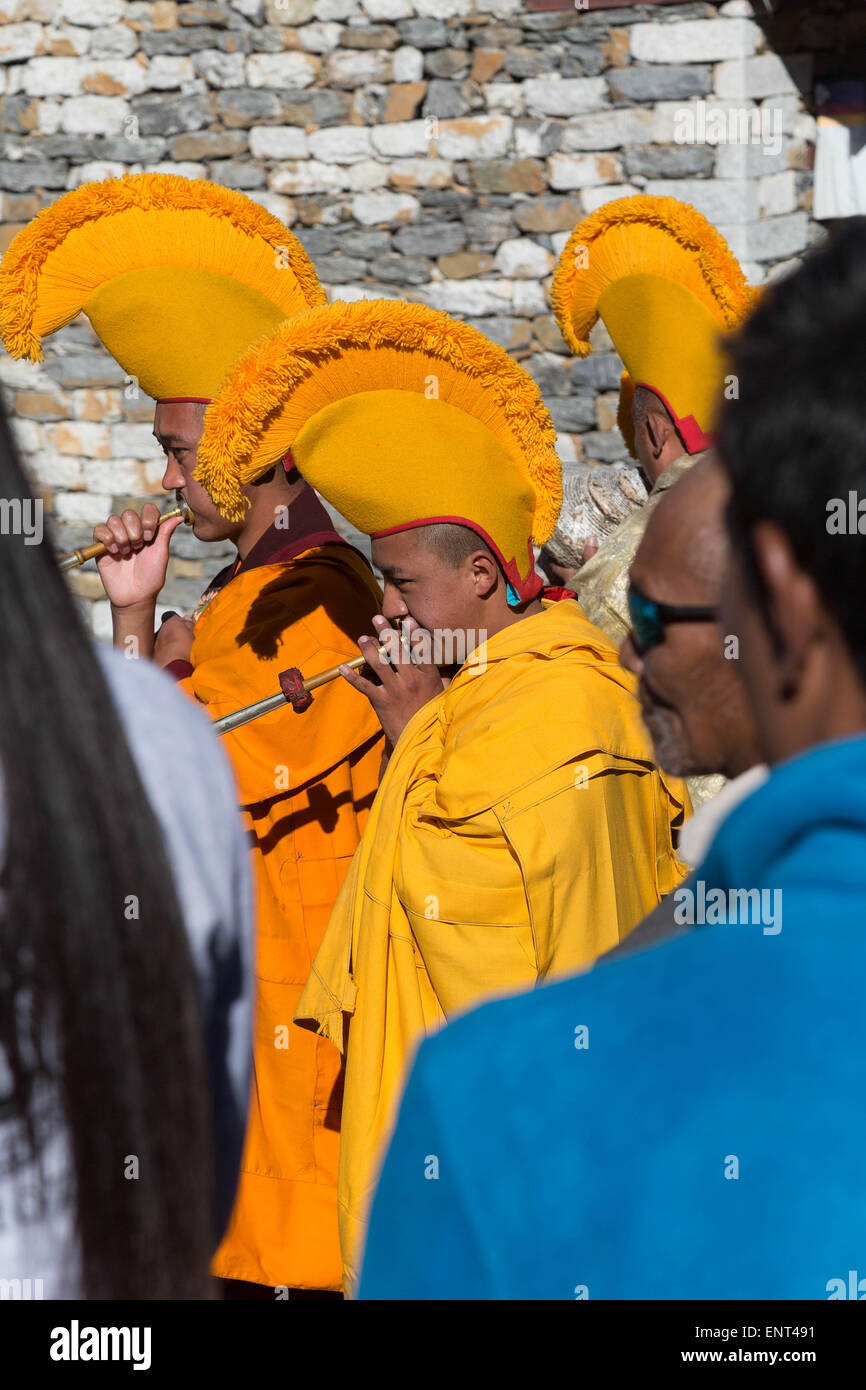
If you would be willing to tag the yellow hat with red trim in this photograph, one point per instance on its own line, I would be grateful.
(177, 276)
(667, 288)
(401, 417)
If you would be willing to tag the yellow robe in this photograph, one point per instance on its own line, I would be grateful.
(306, 783)
(521, 829)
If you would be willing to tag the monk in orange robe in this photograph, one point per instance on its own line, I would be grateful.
(297, 595)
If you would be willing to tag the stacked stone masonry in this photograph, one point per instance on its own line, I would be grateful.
(433, 150)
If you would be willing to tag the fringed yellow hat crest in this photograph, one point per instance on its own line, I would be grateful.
(177, 277)
(401, 417)
(667, 288)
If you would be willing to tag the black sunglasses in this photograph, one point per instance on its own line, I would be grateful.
(649, 619)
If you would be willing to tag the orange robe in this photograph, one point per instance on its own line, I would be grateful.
(306, 783)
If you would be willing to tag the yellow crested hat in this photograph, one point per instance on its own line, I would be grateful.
(401, 417)
(177, 276)
(667, 288)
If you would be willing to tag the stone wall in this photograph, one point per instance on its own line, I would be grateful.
(434, 150)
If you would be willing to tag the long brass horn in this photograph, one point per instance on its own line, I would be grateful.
(74, 558)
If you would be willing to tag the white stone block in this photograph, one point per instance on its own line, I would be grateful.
(504, 96)
(694, 40)
(777, 194)
(405, 174)
(310, 176)
(521, 258)
(593, 198)
(50, 77)
(408, 64)
(92, 12)
(291, 12)
(337, 9)
(566, 171)
(117, 476)
(85, 508)
(445, 9)
(125, 73)
(342, 144)
(402, 139)
(278, 142)
(281, 69)
(720, 200)
(476, 298)
(765, 76)
(55, 470)
(529, 298)
(608, 130)
(167, 73)
(388, 9)
(474, 137)
(94, 171)
(356, 67)
(374, 209)
(319, 37)
(92, 116)
(367, 174)
(133, 440)
(564, 96)
(773, 239)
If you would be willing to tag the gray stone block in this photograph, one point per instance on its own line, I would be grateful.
(431, 239)
(663, 83)
(400, 270)
(19, 176)
(445, 100)
(423, 33)
(181, 42)
(248, 106)
(236, 173)
(599, 372)
(339, 270)
(572, 413)
(669, 161)
(607, 446)
(588, 57)
(179, 115)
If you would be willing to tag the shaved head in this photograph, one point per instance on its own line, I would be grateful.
(451, 543)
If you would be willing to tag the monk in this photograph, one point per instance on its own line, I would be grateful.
(521, 827)
(177, 278)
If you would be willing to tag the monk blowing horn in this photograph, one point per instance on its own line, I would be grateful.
(293, 691)
(75, 558)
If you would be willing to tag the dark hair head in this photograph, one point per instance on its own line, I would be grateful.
(795, 437)
(99, 1010)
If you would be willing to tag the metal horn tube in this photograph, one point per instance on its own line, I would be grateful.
(272, 702)
(74, 558)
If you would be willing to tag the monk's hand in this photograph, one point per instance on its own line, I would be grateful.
(400, 685)
(174, 640)
(136, 558)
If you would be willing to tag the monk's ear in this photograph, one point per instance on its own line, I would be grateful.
(485, 573)
(792, 606)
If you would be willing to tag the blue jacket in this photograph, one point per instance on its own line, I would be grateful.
(687, 1122)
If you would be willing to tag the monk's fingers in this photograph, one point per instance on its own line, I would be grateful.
(149, 520)
(360, 683)
(114, 536)
(376, 653)
(134, 530)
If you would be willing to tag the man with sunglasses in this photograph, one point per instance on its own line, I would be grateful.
(693, 700)
(707, 1140)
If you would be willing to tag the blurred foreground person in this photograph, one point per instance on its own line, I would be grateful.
(692, 695)
(125, 944)
(688, 1122)
(521, 826)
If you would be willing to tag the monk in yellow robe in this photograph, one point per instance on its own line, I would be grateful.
(177, 278)
(667, 287)
(521, 827)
